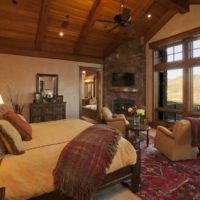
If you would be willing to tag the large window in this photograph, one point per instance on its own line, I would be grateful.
(170, 92)
(196, 89)
(177, 79)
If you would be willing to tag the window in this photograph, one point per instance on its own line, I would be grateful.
(196, 89)
(169, 54)
(177, 78)
(195, 48)
(170, 92)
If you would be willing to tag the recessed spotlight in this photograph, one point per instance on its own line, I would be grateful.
(149, 15)
(61, 34)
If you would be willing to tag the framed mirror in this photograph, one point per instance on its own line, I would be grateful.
(47, 85)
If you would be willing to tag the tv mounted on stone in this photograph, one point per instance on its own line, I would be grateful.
(121, 79)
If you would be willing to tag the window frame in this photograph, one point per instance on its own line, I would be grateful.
(186, 64)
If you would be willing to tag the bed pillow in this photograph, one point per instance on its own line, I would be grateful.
(10, 137)
(20, 124)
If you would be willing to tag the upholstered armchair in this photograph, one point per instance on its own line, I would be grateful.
(176, 144)
(117, 121)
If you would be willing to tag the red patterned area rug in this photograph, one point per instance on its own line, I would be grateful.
(162, 179)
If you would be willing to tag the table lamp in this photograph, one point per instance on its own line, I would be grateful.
(1, 102)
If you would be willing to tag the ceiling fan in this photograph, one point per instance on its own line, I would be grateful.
(121, 19)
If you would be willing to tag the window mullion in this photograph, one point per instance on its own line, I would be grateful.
(186, 80)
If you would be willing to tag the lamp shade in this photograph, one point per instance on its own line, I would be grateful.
(1, 100)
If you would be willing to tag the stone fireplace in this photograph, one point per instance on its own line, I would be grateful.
(120, 106)
(127, 58)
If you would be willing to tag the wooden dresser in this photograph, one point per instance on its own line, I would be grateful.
(42, 112)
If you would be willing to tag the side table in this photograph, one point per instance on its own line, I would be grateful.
(137, 129)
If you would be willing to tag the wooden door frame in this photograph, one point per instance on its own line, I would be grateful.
(99, 72)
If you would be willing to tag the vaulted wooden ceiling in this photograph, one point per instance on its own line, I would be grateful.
(32, 27)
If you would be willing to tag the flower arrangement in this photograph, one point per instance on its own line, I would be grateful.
(137, 111)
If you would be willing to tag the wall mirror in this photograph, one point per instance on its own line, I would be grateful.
(47, 85)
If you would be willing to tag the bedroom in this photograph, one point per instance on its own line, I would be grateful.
(20, 62)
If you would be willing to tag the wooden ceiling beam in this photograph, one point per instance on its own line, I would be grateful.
(50, 55)
(118, 38)
(181, 6)
(154, 29)
(194, 2)
(42, 23)
(89, 23)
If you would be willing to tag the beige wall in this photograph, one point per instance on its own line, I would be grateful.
(19, 73)
(179, 23)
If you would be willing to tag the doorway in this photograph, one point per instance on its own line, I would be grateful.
(90, 93)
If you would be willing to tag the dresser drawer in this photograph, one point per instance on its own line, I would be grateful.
(48, 109)
(60, 109)
(37, 110)
(40, 112)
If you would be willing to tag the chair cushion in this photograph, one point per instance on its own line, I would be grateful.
(10, 137)
(20, 124)
(107, 114)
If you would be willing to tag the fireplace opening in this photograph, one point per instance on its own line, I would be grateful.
(120, 106)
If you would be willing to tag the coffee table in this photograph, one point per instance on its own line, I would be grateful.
(137, 129)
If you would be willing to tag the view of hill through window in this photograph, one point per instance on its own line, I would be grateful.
(175, 85)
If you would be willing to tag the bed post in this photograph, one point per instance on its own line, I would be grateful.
(2, 193)
(135, 182)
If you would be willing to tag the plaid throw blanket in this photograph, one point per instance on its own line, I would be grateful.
(82, 164)
(195, 128)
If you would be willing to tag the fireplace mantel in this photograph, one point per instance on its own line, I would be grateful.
(123, 89)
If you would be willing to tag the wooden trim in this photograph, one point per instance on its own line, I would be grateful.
(51, 55)
(125, 173)
(48, 75)
(179, 6)
(89, 23)
(42, 23)
(174, 38)
(194, 2)
(153, 89)
(98, 92)
(170, 65)
(169, 110)
(186, 81)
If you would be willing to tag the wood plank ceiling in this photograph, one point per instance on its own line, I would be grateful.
(30, 27)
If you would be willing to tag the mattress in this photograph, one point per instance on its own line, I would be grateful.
(30, 174)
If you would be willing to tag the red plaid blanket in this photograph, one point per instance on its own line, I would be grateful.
(195, 128)
(82, 164)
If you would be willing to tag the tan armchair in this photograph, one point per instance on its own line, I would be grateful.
(117, 121)
(176, 144)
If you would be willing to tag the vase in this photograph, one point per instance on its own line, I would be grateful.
(136, 120)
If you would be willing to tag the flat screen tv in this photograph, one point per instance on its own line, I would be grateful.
(123, 79)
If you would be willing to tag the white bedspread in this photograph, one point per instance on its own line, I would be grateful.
(30, 174)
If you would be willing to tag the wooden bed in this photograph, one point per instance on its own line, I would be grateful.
(130, 172)
(89, 112)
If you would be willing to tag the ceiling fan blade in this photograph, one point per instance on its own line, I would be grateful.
(104, 20)
(114, 27)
